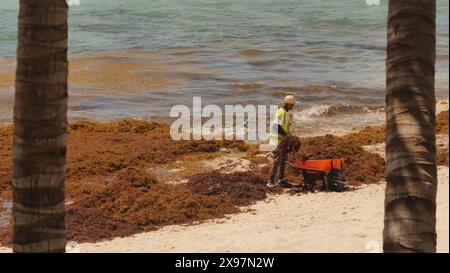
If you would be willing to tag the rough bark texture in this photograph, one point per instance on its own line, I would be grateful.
(40, 127)
(410, 202)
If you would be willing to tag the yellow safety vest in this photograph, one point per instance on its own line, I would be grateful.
(281, 118)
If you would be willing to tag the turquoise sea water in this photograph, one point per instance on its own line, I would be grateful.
(330, 39)
(295, 42)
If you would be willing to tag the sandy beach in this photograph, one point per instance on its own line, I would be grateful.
(321, 222)
(316, 222)
(349, 221)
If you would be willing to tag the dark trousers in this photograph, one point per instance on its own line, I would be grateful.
(279, 162)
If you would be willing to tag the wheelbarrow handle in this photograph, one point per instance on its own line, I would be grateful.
(290, 164)
(297, 169)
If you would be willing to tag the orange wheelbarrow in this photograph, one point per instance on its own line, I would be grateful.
(329, 171)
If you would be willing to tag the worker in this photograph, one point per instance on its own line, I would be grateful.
(279, 130)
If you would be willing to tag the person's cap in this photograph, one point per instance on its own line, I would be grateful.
(289, 99)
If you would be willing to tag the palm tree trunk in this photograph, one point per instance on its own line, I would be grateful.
(40, 127)
(410, 201)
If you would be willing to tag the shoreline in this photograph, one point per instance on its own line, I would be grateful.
(115, 85)
(442, 105)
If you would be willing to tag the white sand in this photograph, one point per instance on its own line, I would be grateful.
(229, 163)
(442, 105)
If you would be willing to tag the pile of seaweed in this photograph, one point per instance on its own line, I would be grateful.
(368, 135)
(5, 161)
(111, 192)
(360, 166)
(442, 128)
(292, 144)
(107, 184)
(442, 123)
(442, 157)
(101, 148)
(136, 201)
(244, 188)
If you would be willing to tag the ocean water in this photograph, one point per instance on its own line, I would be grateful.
(330, 54)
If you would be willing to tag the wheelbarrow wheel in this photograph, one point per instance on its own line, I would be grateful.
(338, 180)
(309, 185)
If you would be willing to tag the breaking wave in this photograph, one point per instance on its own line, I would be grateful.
(335, 110)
